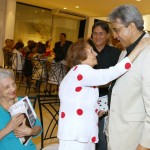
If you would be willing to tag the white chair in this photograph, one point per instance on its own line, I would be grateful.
(51, 147)
(56, 72)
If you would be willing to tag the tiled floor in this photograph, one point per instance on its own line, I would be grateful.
(47, 118)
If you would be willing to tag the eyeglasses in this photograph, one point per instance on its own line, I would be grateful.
(116, 30)
(98, 33)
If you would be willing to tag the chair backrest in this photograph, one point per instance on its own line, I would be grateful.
(49, 108)
(39, 71)
(8, 60)
(13, 61)
(51, 147)
(27, 67)
(33, 100)
(56, 72)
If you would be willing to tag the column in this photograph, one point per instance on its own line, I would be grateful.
(10, 19)
(7, 23)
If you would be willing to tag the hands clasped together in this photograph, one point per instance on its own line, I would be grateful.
(18, 125)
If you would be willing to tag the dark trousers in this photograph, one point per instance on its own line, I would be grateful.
(102, 144)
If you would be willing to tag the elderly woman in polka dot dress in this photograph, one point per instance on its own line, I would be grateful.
(79, 111)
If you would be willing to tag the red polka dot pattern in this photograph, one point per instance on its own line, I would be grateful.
(79, 77)
(93, 139)
(127, 65)
(80, 112)
(78, 89)
(62, 115)
(75, 68)
(96, 110)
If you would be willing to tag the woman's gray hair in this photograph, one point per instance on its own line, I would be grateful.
(127, 14)
(5, 73)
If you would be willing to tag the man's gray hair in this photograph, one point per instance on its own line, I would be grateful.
(127, 14)
(5, 73)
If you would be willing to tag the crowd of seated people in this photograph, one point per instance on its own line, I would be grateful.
(25, 54)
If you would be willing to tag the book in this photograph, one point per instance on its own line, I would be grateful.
(24, 106)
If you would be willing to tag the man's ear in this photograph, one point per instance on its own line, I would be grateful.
(132, 26)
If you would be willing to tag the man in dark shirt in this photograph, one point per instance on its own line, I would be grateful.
(61, 48)
(107, 57)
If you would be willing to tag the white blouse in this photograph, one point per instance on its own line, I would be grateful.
(78, 119)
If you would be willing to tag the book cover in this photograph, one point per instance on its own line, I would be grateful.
(24, 106)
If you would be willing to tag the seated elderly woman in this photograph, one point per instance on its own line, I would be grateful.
(79, 110)
(13, 128)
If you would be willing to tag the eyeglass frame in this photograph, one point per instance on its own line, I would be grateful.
(116, 30)
(98, 33)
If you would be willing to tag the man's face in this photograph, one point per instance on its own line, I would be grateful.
(99, 36)
(122, 33)
(62, 38)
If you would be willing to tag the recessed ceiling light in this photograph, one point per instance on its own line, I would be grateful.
(43, 10)
(138, 0)
(76, 6)
(65, 8)
(35, 11)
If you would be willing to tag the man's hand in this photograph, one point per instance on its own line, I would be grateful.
(140, 147)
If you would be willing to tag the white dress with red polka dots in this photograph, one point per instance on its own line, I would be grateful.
(78, 94)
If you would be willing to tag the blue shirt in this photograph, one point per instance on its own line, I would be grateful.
(10, 141)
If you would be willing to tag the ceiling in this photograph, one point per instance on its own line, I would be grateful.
(92, 8)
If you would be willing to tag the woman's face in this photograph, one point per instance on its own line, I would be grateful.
(91, 56)
(7, 89)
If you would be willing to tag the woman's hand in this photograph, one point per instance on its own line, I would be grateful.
(139, 48)
(15, 122)
(23, 130)
(140, 147)
(12, 125)
(141, 45)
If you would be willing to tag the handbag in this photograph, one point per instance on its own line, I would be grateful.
(103, 103)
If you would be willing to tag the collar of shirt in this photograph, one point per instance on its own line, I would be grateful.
(132, 46)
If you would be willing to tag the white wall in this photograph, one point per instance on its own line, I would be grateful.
(68, 26)
(41, 25)
(146, 22)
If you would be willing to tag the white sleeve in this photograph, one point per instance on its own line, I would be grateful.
(96, 77)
